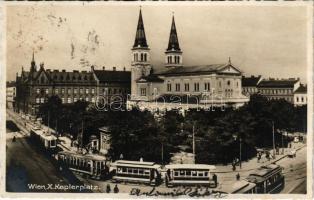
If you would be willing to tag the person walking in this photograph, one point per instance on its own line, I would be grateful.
(108, 188)
(215, 179)
(238, 176)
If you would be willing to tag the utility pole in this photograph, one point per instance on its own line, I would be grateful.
(193, 142)
(274, 154)
(282, 152)
(240, 140)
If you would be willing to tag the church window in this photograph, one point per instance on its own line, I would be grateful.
(177, 87)
(297, 99)
(302, 99)
(196, 87)
(228, 83)
(178, 59)
(142, 57)
(169, 87)
(143, 91)
(145, 57)
(207, 86)
(186, 87)
(170, 57)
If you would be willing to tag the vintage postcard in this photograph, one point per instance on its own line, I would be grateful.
(157, 99)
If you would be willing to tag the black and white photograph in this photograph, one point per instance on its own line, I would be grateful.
(168, 100)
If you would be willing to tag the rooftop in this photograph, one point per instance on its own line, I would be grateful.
(278, 83)
(113, 76)
(250, 81)
(301, 90)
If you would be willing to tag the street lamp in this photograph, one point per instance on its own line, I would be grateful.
(240, 145)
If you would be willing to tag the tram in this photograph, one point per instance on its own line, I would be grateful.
(268, 179)
(136, 171)
(91, 165)
(241, 187)
(47, 141)
(189, 174)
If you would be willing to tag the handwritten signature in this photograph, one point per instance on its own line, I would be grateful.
(197, 192)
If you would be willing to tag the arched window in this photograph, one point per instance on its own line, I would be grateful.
(142, 57)
(178, 59)
(228, 83)
(170, 59)
(145, 57)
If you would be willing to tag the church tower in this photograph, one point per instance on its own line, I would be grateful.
(140, 65)
(173, 52)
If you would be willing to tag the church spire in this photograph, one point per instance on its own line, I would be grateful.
(33, 63)
(173, 44)
(140, 38)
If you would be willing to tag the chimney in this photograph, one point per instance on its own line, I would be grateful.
(114, 68)
(103, 68)
(124, 69)
(63, 70)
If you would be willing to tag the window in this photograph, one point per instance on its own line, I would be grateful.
(93, 99)
(177, 87)
(169, 87)
(302, 99)
(62, 90)
(81, 90)
(37, 90)
(228, 83)
(86, 99)
(42, 100)
(75, 90)
(93, 90)
(145, 57)
(176, 173)
(86, 90)
(297, 99)
(56, 91)
(75, 99)
(207, 86)
(194, 173)
(69, 91)
(219, 83)
(69, 100)
(186, 87)
(143, 91)
(62, 100)
(142, 57)
(37, 100)
(196, 87)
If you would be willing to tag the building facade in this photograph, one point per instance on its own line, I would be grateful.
(174, 85)
(10, 95)
(37, 85)
(279, 88)
(249, 85)
(300, 96)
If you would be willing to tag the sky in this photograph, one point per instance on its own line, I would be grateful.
(261, 40)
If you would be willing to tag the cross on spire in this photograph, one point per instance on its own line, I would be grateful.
(173, 38)
(140, 38)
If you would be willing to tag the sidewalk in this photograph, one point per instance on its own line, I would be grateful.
(253, 164)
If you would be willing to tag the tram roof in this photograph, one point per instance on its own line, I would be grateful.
(238, 187)
(85, 156)
(131, 163)
(190, 166)
(49, 137)
(260, 174)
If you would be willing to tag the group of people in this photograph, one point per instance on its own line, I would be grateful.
(115, 189)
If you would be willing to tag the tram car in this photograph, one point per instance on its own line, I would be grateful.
(136, 171)
(189, 174)
(46, 140)
(268, 179)
(90, 165)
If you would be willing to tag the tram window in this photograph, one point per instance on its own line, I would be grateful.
(205, 173)
(124, 170)
(188, 173)
(140, 171)
(129, 170)
(200, 174)
(135, 171)
(194, 173)
(176, 173)
(119, 169)
(182, 173)
(146, 172)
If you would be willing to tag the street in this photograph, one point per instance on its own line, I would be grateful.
(29, 170)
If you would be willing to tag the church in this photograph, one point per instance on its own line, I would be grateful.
(176, 86)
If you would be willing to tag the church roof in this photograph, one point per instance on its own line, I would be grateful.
(250, 81)
(194, 70)
(113, 76)
(173, 44)
(150, 78)
(140, 38)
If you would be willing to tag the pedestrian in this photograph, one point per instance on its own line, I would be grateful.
(116, 189)
(14, 138)
(238, 176)
(215, 179)
(108, 188)
(233, 167)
